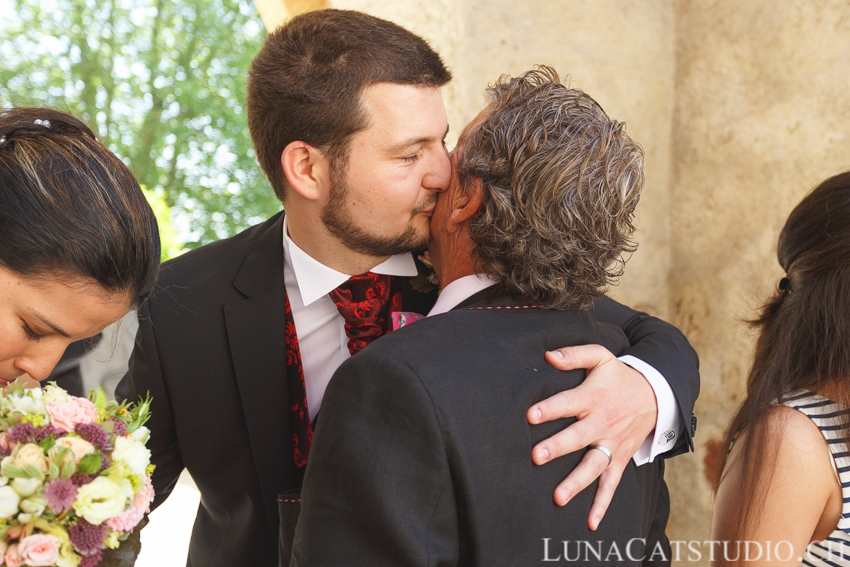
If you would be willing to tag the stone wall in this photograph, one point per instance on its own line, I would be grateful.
(742, 107)
(762, 115)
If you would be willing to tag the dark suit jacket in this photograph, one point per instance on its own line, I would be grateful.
(421, 457)
(210, 350)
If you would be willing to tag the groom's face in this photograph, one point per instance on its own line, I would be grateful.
(381, 203)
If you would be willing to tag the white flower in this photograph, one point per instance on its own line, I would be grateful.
(100, 500)
(33, 505)
(25, 486)
(67, 556)
(127, 488)
(141, 434)
(9, 500)
(28, 405)
(35, 393)
(135, 454)
(55, 394)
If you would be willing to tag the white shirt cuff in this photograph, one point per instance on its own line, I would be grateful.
(669, 424)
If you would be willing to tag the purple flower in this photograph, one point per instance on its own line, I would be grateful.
(80, 479)
(120, 428)
(22, 433)
(60, 493)
(92, 560)
(46, 431)
(94, 434)
(88, 539)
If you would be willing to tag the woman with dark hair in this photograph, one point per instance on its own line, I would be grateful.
(79, 245)
(786, 470)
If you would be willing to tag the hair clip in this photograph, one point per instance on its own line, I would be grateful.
(2, 140)
(785, 285)
(40, 122)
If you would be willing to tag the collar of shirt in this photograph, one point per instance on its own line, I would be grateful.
(316, 280)
(460, 290)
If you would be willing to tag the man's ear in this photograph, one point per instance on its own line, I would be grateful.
(466, 206)
(306, 169)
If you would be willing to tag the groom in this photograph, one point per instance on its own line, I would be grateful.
(237, 346)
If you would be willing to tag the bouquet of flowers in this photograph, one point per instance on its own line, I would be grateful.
(74, 476)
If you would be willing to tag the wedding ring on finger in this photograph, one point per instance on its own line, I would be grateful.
(605, 450)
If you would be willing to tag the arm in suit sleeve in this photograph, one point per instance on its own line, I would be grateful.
(145, 376)
(663, 347)
(378, 489)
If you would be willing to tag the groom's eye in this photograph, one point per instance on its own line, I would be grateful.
(410, 159)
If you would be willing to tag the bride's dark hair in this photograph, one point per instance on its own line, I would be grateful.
(70, 208)
(804, 339)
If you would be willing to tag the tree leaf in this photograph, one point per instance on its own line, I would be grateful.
(163, 85)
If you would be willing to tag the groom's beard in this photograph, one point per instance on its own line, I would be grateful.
(338, 219)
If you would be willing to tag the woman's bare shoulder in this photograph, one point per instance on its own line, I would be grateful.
(796, 478)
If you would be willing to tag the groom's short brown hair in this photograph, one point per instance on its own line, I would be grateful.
(305, 82)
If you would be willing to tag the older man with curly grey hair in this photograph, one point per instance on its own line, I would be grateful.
(420, 456)
(549, 185)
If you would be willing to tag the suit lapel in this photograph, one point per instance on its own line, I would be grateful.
(255, 331)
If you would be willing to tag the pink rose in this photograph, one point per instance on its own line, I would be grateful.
(13, 559)
(128, 519)
(145, 496)
(66, 415)
(38, 550)
(3, 547)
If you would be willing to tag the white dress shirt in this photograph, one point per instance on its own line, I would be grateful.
(318, 324)
(669, 424)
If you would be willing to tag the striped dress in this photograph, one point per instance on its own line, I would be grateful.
(834, 551)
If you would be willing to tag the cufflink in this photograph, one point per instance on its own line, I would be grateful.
(693, 425)
(666, 437)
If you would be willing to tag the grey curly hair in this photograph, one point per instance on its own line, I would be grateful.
(561, 182)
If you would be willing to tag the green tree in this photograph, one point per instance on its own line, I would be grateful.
(163, 84)
(170, 247)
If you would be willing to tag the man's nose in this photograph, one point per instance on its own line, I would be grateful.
(439, 175)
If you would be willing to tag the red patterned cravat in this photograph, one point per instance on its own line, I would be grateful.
(365, 302)
(299, 416)
(302, 429)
